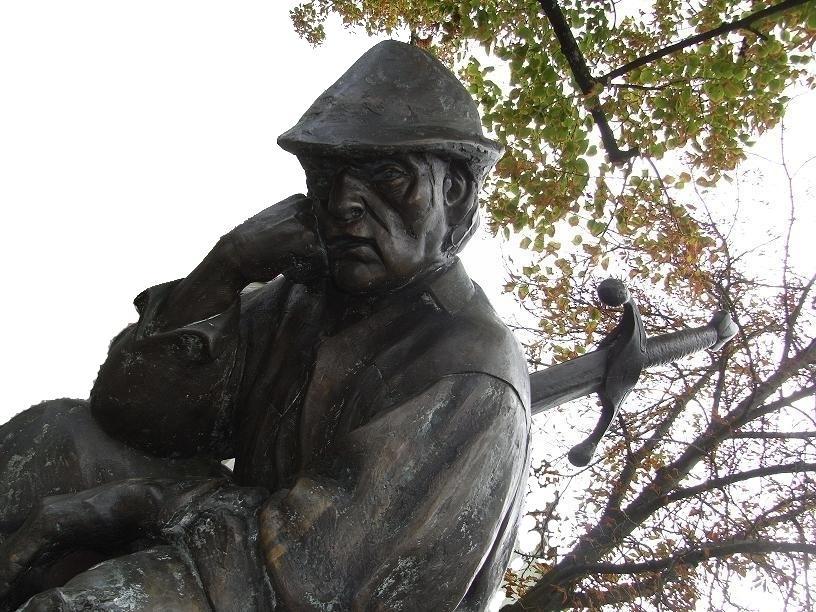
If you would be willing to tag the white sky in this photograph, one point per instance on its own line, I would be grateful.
(132, 136)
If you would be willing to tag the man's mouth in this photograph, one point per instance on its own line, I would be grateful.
(353, 247)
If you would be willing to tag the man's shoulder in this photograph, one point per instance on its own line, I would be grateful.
(459, 334)
(475, 339)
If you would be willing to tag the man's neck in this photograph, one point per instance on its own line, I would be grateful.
(348, 308)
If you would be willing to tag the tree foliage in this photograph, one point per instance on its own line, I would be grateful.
(708, 478)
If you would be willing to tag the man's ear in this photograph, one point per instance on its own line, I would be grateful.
(461, 208)
(459, 189)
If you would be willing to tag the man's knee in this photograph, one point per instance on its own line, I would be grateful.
(57, 447)
(38, 456)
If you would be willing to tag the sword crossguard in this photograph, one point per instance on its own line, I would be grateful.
(628, 354)
(613, 369)
(626, 360)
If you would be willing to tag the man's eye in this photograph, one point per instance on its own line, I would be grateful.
(389, 174)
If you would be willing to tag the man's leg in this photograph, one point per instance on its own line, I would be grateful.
(209, 527)
(153, 580)
(56, 447)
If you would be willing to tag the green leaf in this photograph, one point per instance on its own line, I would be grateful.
(596, 228)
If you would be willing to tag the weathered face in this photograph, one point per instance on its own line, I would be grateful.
(383, 219)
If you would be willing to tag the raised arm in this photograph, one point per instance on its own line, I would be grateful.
(169, 380)
(281, 239)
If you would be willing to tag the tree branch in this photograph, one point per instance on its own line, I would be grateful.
(586, 82)
(775, 435)
(647, 87)
(769, 518)
(630, 467)
(694, 556)
(616, 525)
(620, 593)
(738, 24)
(794, 315)
(540, 599)
(780, 403)
(718, 483)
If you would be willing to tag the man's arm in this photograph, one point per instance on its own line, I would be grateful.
(410, 507)
(281, 239)
(170, 380)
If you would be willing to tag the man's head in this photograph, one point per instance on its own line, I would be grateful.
(395, 154)
(387, 220)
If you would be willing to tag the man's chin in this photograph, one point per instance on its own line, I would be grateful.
(359, 278)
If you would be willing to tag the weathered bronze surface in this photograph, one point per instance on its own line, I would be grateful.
(377, 409)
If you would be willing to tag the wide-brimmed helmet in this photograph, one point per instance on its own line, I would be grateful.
(396, 98)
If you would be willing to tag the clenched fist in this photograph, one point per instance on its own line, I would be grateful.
(282, 239)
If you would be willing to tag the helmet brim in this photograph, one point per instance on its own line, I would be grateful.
(480, 153)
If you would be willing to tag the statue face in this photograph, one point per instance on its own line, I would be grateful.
(383, 219)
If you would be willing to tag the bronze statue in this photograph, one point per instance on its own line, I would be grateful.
(377, 409)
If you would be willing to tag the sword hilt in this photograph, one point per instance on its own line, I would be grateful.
(629, 352)
(661, 350)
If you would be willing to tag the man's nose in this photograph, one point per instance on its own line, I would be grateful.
(347, 200)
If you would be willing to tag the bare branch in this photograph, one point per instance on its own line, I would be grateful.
(621, 593)
(718, 483)
(793, 317)
(617, 524)
(738, 24)
(694, 556)
(780, 403)
(776, 435)
(542, 595)
(632, 463)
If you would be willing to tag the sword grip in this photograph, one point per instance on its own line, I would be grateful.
(661, 350)
(576, 378)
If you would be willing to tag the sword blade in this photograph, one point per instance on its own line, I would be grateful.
(585, 375)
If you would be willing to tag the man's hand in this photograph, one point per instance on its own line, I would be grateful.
(282, 239)
(115, 512)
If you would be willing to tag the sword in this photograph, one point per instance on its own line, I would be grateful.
(613, 369)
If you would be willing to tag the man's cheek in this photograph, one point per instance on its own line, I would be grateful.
(402, 251)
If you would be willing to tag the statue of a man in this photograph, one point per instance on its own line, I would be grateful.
(376, 407)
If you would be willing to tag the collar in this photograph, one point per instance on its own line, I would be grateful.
(448, 288)
(452, 288)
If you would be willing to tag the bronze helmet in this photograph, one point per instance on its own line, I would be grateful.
(395, 98)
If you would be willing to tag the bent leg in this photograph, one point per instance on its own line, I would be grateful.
(212, 529)
(153, 580)
(56, 447)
